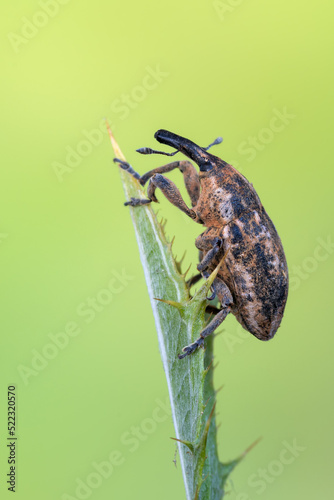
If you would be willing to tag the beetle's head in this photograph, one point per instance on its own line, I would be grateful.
(188, 148)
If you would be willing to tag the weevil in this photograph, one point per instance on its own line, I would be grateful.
(252, 281)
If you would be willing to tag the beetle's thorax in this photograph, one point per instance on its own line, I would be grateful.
(225, 195)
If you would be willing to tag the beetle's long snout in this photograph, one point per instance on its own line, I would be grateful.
(174, 140)
(185, 146)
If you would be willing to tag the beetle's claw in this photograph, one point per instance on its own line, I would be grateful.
(123, 164)
(135, 202)
(127, 167)
(213, 296)
(189, 349)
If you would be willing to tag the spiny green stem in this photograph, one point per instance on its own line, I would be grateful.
(179, 320)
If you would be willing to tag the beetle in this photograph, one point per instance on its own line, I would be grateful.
(252, 281)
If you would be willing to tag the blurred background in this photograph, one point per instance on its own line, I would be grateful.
(78, 338)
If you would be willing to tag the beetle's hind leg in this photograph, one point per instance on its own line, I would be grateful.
(189, 349)
(226, 299)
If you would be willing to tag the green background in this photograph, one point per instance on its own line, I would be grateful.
(221, 68)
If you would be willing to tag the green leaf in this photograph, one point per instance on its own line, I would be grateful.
(179, 320)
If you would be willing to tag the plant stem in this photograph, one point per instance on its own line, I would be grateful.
(179, 320)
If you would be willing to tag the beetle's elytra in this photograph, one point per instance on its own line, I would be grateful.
(252, 282)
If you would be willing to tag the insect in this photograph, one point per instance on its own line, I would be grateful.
(252, 282)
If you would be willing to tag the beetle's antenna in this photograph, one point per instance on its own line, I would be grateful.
(149, 151)
(219, 140)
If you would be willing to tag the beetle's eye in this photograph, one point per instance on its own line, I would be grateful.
(205, 167)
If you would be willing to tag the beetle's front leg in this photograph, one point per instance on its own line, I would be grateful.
(134, 202)
(126, 166)
(171, 192)
(190, 177)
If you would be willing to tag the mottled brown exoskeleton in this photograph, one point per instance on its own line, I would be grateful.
(252, 282)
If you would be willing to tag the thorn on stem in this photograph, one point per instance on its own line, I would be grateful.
(247, 450)
(219, 389)
(171, 242)
(186, 443)
(186, 272)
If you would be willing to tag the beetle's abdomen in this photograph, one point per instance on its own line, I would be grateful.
(256, 271)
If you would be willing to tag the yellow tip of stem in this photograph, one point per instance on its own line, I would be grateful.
(116, 148)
